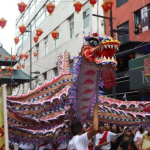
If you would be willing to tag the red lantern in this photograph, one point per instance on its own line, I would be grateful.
(6, 74)
(22, 6)
(13, 57)
(11, 69)
(0, 55)
(9, 74)
(35, 54)
(105, 9)
(108, 4)
(18, 67)
(22, 29)
(16, 39)
(36, 38)
(26, 56)
(39, 32)
(0, 70)
(21, 56)
(7, 68)
(93, 2)
(6, 58)
(2, 22)
(0, 76)
(23, 65)
(50, 8)
(131, 56)
(77, 6)
(54, 34)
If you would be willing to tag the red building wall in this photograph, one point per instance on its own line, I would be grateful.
(126, 13)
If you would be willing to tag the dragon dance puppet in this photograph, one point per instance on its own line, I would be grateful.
(45, 114)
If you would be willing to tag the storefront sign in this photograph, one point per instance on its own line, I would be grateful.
(146, 67)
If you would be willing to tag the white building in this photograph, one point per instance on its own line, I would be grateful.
(67, 22)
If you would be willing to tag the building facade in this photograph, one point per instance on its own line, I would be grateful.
(67, 22)
(134, 16)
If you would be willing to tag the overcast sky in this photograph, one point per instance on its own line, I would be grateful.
(9, 11)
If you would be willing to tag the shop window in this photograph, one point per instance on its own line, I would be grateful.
(45, 75)
(86, 18)
(121, 2)
(46, 47)
(71, 29)
(124, 38)
(55, 71)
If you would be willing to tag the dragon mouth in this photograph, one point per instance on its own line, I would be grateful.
(103, 53)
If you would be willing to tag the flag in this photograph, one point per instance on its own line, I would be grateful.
(2, 143)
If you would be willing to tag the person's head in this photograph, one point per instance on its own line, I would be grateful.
(142, 129)
(114, 128)
(76, 128)
(107, 126)
(128, 132)
(101, 128)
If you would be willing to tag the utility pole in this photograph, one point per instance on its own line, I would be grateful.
(30, 57)
(11, 75)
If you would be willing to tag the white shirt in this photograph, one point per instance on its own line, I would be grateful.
(138, 137)
(26, 146)
(62, 146)
(110, 136)
(79, 142)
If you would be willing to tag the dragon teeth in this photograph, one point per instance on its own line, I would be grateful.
(112, 46)
(116, 46)
(102, 48)
(108, 46)
(105, 46)
(112, 58)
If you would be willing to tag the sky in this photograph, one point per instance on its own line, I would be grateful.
(9, 11)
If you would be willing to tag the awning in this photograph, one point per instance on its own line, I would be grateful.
(132, 46)
(3, 62)
(17, 76)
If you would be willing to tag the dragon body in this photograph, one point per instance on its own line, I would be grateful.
(45, 114)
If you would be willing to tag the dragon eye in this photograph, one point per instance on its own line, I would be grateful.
(93, 43)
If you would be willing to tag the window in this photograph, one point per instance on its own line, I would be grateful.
(71, 27)
(86, 18)
(124, 38)
(121, 2)
(32, 7)
(57, 42)
(33, 25)
(37, 2)
(46, 48)
(55, 71)
(45, 75)
(26, 15)
(56, 2)
(37, 49)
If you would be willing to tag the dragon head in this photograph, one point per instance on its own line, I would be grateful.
(100, 49)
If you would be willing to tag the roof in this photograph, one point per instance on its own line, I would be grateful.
(17, 75)
(132, 46)
(3, 62)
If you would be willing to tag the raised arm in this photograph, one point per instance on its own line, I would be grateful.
(94, 127)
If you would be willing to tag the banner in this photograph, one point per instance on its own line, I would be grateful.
(2, 143)
(144, 19)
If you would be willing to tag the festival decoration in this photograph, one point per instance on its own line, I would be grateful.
(0, 55)
(7, 68)
(22, 29)
(35, 54)
(11, 69)
(39, 32)
(93, 2)
(2, 22)
(131, 56)
(22, 6)
(26, 56)
(50, 8)
(54, 34)
(6, 74)
(23, 65)
(16, 39)
(9, 74)
(36, 38)
(107, 5)
(13, 57)
(21, 56)
(0, 70)
(18, 67)
(0, 76)
(78, 6)
(6, 58)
